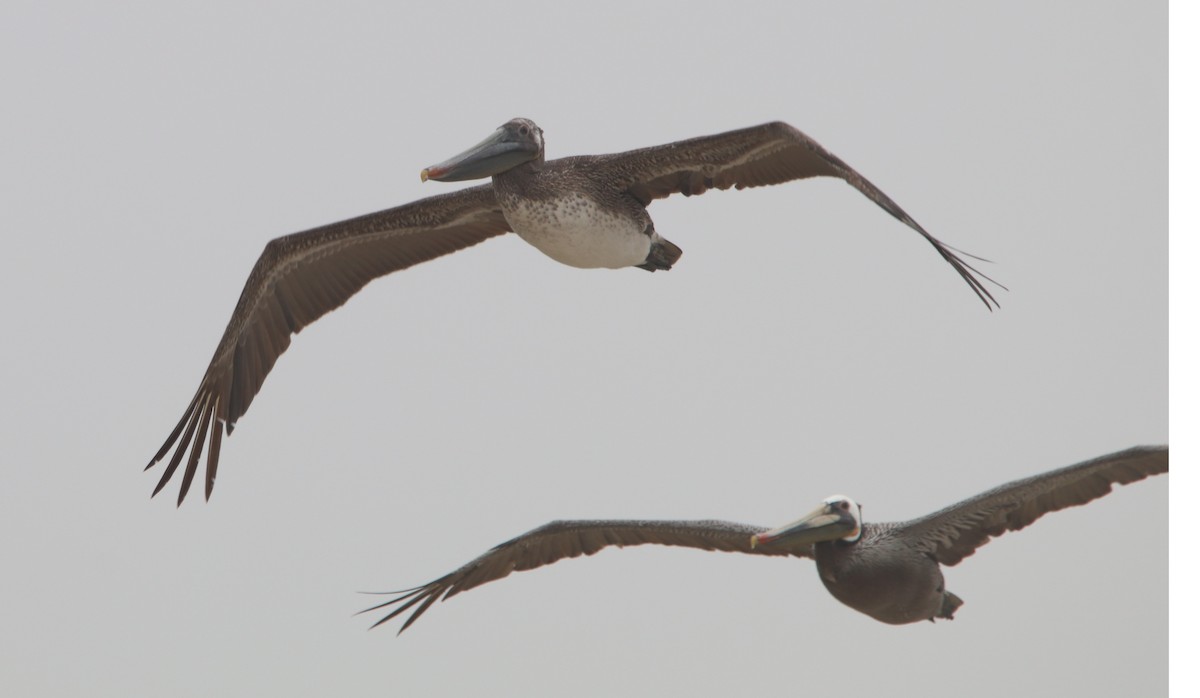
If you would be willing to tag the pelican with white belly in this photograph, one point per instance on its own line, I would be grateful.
(584, 211)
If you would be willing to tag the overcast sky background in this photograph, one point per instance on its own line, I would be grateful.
(806, 344)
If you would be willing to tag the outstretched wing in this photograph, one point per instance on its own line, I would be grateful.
(297, 279)
(753, 157)
(957, 531)
(563, 539)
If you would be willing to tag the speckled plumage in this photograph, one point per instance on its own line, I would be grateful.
(889, 571)
(576, 230)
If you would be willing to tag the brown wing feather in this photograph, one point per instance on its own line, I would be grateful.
(957, 531)
(753, 157)
(565, 539)
(297, 279)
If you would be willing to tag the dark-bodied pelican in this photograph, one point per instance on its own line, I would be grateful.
(587, 211)
(889, 571)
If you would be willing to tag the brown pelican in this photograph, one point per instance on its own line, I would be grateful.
(889, 571)
(587, 211)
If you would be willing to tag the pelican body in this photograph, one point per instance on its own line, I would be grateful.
(874, 568)
(584, 211)
(889, 571)
(557, 206)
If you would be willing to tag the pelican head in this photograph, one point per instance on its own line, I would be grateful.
(516, 142)
(838, 518)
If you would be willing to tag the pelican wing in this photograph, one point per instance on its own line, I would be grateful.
(957, 531)
(563, 539)
(753, 157)
(297, 279)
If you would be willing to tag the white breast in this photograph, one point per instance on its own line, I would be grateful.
(576, 231)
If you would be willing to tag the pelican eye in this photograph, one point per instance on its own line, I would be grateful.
(524, 131)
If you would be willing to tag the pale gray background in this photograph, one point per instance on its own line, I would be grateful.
(806, 344)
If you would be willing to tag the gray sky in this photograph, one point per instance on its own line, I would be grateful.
(806, 344)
